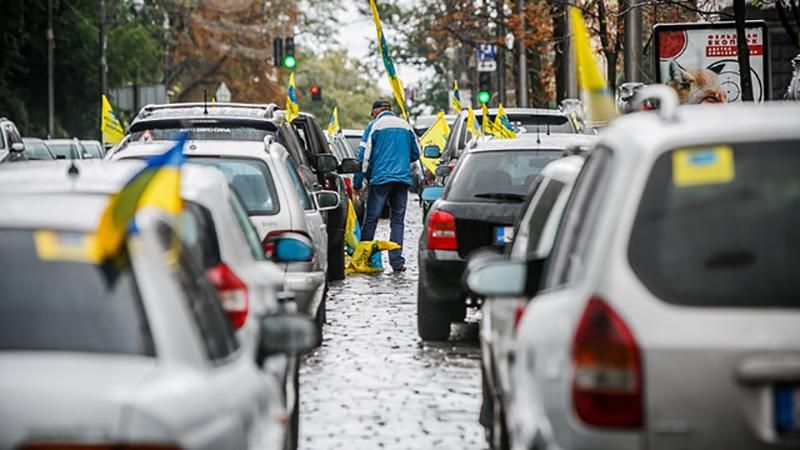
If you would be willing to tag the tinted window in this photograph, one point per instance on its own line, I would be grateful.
(224, 132)
(530, 123)
(541, 214)
(722, 242)
(199, 234)
(302, 194)
(65, 149)
(37, 151)
(247, 228)
(251, 179)
(51, 305)
(498, 175)
(354, 141)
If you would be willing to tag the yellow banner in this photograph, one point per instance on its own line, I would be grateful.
(110, 126)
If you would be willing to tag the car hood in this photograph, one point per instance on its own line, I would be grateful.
(69, 396)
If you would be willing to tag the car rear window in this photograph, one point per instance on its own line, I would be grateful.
(219, 132)
(533, 123)
(66, 150)
(37, 151)
(251, 179)
(354, 141)
(52, 304)
(720, 226)
(498, 175)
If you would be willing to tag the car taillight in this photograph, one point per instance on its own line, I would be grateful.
(271, 239)
(96, 446)
(232, 291)
(518, 313)
(442, 231)
(607, 378)
(348, 185)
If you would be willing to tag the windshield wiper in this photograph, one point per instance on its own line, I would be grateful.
(502, 196)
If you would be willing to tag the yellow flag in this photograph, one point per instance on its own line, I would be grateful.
(456, 103)
(472, 127)
(292, 107)
(596, 95)
(333, 124)
(110, 125)
(436, 135)
(388, 64)
(502, 124)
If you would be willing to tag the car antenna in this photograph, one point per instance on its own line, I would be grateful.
(205, 101)
(548, 129)
(73, 169)
(538, 138)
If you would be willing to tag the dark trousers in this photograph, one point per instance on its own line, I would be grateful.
(396, 195)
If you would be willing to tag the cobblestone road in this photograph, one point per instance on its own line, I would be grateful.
(374, 384)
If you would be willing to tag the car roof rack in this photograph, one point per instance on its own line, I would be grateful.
(267, 108)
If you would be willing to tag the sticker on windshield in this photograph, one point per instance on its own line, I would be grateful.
(703, 166)
(65, 246)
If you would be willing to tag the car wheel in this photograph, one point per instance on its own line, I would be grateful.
(433, 318)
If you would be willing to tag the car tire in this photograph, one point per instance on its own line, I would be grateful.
(433, 318)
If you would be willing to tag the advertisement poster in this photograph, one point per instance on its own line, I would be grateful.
(700, 61)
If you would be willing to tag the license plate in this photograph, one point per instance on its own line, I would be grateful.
(503, 235)
(787, 408)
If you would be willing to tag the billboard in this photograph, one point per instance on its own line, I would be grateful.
(700, 60)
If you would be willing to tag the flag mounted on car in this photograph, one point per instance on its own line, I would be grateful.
(595, 94)
(333, 124)
(292, 106)
(383, 49)
(110, 126)
(456, 102)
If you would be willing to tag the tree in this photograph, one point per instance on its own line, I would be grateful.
(743, 51)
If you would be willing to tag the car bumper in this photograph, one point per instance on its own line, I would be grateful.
(308, 289)
(440, 273)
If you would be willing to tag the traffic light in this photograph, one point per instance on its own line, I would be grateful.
(484, 87)
(316, 93)
(289, 60)
(277, 52)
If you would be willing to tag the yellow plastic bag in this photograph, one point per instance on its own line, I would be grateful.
(360, 261)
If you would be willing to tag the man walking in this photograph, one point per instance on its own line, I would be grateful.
(386, 152)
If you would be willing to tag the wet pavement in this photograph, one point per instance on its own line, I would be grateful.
(373, 384)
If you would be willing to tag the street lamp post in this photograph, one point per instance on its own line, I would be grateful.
(633, 41)
(51, 113)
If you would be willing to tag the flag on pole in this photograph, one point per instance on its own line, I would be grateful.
(472, 127)
(110, 126)
(157, 185)
(456, 103)
(595, 93)
(333, 124)
(502, 124)
(436, 135)
(486, 124)
(383, 49)
(292, 107)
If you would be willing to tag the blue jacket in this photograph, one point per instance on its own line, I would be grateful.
(386, 152)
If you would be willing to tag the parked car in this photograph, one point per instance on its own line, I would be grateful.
(422, 123)
(353, 138)
(526, 121)
(12, 148)
(68, 148)
(666, 315)
(37, 150)
(145, 350)
(276, 201)
(477, 208)
(94, 149)
(534, 234)
(343, 151)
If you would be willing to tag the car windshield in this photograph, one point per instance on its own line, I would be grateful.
(50, 303)
(251, 179)
(63, 149)
(504, 176)
(93, 149)
(37, 150)
(171, 132)
(711, 217)
(354, 142)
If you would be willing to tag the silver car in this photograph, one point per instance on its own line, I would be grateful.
(275, 199)
(668, 311)
(141, 344)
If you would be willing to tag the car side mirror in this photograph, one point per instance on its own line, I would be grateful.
(443, 171)
(289, 247)
(350, 165)
(327, 200)
(288, 333)
(432, 193)
(326, 163)
(431, 151)
(18, 147)
(503, 278)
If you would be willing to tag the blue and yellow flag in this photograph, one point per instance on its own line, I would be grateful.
(472, 127)
(596, 96)
(496, 128)
(383, 48)
(333, 124)
(502, 124)
(456, 103)
(436, 135)
(110, 126)
(292, 106)
(156, 185)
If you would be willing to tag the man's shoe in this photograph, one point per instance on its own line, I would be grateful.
(399, 269)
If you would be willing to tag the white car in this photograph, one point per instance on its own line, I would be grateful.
(134, 353)
(667, 314)
(275, 199)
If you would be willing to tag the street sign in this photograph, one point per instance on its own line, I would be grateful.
(486, 52)
(223, 94)
(487, 66)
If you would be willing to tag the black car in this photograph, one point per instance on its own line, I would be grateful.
(477, 208)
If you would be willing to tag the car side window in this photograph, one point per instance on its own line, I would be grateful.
(578, 221)
(534, 228)
(13, 134)
(250, 233)
(297, 182)
(215, 329)
(290, 140)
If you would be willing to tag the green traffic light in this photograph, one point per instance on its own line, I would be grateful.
(484, 97)
(289, 61)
